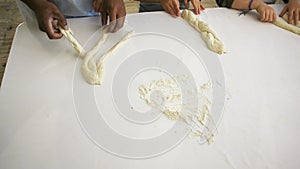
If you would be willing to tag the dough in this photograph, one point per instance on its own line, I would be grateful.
(91, 69)
(69, 36)
(286, 26)
(285, 17)
(208, 35)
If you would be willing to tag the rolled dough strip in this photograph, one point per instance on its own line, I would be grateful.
(286, 26)
(285, 17)
(89, 68)
(208, 35)
(76, 45)
(92, 70)
(97, 47)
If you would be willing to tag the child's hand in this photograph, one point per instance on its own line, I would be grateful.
(267, 13)
(293, 9)
(196, 4)
(171, 7)
(49, 18)
(115, 9)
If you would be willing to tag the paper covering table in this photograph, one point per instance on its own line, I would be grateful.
(39, 126)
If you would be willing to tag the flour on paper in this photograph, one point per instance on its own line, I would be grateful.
(92, 69)
(287, 26)
(170, 104)
(208, 35)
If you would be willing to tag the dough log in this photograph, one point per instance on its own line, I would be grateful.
(76, 45)
(91, 69)
(287, 26)
(285, 17)
(208, 35)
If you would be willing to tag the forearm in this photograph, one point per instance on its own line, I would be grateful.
(34, 4)
(156, 1)
(244, 4)
(291, 1)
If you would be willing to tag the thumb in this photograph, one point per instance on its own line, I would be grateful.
(283, 11)
(62, 22)
(186, 3)
(97, 5)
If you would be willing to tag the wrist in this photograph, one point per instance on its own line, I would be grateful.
(293, 1)
(256, 4)
(35, 5)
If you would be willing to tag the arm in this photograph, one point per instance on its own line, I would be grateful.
(115, 9)
(267, 13)
(293, 9)
(196, 4)
(153, 1)
(48, 16)
(172, 6)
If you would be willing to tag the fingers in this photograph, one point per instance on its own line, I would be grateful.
(175, 7)
(283, 11)
(274, 17)
(293, 12)
(62, 22)
(51, 25)
(51, 31)
(116, 20)
(120, 23)
(186, 4)
(263, 16)
(104, 17)
(296, 17)
(267, 14)
(115, 9)
(171, 7)
(112, 21)
(120, 18)
(170, 11)
(97, 5)
(290, 17)
(196, 7)
(293, 16)
(201, 6)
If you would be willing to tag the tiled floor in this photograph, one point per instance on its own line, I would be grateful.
(10, 18)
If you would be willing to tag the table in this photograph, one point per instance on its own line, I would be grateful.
(39, 127)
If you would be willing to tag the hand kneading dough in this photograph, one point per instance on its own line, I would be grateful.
(208, 35)
(285, 17)
(91, 69)
(287, 26)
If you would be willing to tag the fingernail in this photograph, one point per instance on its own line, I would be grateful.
(66, 27)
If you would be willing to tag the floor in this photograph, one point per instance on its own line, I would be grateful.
(10, 18)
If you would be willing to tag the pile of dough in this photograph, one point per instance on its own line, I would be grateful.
(286, 26)
(208, 35)
(92, 69)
